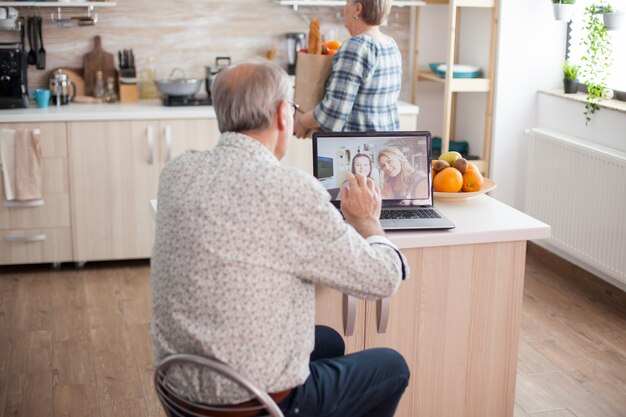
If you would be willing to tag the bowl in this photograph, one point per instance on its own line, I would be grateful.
(179, 86)
(459, 71)
(488, 185)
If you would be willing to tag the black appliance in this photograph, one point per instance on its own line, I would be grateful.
(179, 101)
(13, 73)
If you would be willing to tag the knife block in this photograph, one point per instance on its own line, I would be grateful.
(129, 93)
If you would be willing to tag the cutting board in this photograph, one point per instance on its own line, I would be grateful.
(97, 60)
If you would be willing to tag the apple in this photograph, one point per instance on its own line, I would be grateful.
(450, 157)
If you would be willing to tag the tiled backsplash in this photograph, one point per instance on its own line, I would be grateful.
(191, 33)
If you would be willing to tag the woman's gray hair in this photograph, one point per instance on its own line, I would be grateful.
(374, 11)
(246, 96)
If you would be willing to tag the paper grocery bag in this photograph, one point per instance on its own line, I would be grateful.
(312, 72)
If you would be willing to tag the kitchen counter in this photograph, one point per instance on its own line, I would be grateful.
(144, 110)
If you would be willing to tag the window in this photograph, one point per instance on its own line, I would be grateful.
(617, 74)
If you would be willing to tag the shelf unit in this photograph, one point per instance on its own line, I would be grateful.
(455, 86)
(63, 4)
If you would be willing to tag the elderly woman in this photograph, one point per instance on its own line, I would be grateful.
(363, 89)
(401, 181)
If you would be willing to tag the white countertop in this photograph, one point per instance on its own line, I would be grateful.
(480, 219)
(144, 110)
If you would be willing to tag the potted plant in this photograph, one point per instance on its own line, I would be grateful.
(570, 78)
(563, 9)
(596, 61)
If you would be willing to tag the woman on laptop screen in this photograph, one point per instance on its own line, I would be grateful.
(361, 164)
(399, 180)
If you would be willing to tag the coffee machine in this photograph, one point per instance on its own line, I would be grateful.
(13, 74)
(295, 42)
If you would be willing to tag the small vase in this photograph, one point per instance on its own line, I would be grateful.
(563, 12)
(613, 21)
(570, 86)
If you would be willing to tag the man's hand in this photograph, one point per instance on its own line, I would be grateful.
(360, 205)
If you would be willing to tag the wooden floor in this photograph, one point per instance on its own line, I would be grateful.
(76, 343)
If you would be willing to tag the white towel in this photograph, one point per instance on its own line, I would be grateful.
(7, 159)
(28, 172)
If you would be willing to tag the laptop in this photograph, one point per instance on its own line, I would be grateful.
(398, 162)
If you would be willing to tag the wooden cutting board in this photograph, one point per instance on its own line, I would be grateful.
(97, 60)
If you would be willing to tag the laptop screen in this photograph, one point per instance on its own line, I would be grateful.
(398, 162)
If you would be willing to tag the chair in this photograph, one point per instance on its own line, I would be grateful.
(176, 405)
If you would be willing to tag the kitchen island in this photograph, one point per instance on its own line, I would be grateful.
(456, 320)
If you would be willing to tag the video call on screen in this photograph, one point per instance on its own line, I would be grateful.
(335, 158)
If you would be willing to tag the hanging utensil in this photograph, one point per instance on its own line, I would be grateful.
(31, 58)
(35, 34)
(41, 53)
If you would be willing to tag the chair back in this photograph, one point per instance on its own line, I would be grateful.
(177, 405)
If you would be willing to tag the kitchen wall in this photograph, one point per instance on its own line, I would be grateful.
(191, 33)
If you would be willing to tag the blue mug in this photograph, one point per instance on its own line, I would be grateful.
(42, 96)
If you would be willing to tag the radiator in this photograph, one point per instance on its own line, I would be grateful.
(579, 189)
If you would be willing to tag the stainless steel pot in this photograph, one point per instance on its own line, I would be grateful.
(178, 86)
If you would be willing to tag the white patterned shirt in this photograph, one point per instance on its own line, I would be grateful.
(241, 242)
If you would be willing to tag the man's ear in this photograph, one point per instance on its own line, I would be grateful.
(282, 114)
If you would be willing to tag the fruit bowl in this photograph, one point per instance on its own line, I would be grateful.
(488, 185)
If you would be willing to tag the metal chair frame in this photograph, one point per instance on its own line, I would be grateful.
(176, 405)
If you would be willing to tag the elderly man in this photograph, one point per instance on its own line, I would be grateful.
(241, 243)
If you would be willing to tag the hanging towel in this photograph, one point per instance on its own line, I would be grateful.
(7, 159)
(28, 172)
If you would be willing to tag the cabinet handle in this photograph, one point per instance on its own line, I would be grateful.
(23, 204)
(25, 239)
(382, 312)
(150, 140)
(167, 134)
(349, 314)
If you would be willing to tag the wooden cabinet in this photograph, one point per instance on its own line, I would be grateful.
(452, 87)
(39, 231)
(456, 321)
(114, 170)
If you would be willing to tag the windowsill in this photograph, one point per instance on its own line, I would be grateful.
(616, 105)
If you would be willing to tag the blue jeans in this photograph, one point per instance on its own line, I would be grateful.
(363, 384)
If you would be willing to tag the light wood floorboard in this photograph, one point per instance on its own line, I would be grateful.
(76, 343)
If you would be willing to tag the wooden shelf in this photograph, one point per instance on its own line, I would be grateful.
(54, 4)
(458, 85)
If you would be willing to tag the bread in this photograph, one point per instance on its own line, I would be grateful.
(315, 38)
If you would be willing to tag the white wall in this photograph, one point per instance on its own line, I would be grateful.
(531, 51)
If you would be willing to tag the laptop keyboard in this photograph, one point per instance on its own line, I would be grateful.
(409, 214)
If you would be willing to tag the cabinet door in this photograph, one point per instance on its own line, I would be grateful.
(333, 309)
(114, 168)
(179, 135)
(456, 321)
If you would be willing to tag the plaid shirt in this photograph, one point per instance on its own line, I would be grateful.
(363, 89)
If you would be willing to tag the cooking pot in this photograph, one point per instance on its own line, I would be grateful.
(178, 86)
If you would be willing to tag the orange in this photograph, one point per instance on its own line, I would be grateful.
(471, 167)
(448, 180)
(331, 51)
(472, 180)
(333, 44)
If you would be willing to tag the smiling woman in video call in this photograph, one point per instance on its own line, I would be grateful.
(399, 180)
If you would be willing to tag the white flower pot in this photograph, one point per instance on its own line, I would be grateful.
(563, 12)
(614, 21)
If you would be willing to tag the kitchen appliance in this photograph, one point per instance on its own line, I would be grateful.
(62, 89)
(181, 91)
(13, 74)
(295, 42)
(221, 62)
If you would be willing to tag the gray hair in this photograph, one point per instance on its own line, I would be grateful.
(246, 96)
(374, 11)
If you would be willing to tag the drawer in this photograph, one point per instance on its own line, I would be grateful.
(54, 213)
(27, 246)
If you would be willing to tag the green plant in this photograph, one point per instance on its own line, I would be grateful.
(596, 62)
(570, 71)
(601, 8)
(563, 1)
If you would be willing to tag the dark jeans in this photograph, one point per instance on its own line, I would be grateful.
(363, 384)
